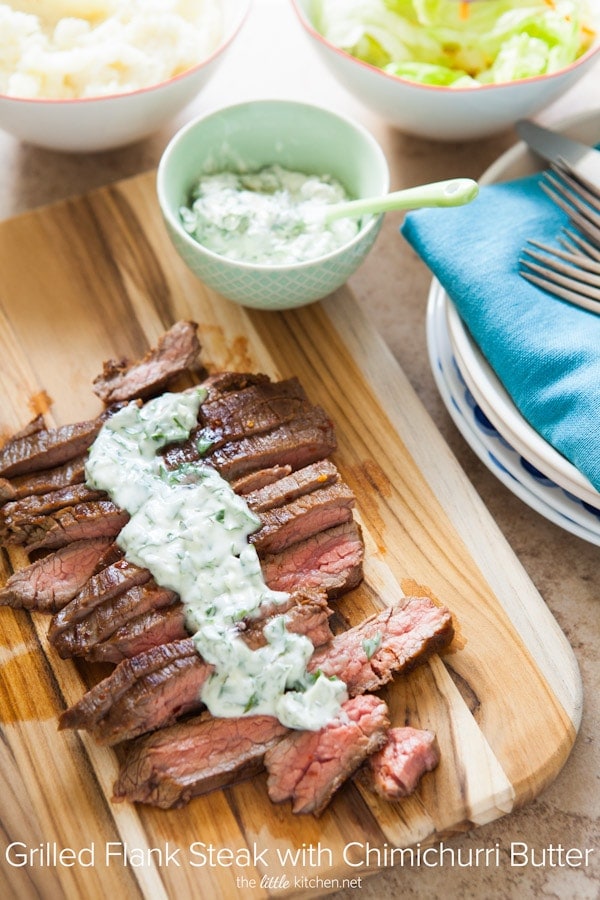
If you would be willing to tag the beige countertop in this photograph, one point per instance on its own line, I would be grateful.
(272, 58)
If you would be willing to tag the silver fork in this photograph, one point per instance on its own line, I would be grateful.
(578, 199)
(571, 271)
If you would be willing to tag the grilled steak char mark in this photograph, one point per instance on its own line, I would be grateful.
(153, 761)
(252, 410)
(51, 582)
(176, 351)
(396, 769)
(307, 767)
(129, 702)
(48, 448)
(163, 769)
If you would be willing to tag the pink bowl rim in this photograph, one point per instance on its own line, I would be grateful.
(439, 88)
(121, 95)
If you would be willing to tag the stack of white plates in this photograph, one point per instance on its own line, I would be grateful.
(482, 409)
(496, 431)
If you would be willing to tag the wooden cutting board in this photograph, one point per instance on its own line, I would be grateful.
(96, 277)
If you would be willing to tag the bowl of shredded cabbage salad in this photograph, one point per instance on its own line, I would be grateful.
(535, 48)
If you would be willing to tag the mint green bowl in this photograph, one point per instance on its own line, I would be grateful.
(247, 137)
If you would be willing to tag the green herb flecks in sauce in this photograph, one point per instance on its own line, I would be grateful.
(190, 529)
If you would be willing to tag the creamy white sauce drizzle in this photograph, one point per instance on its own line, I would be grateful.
(270, 217)
(191, 530)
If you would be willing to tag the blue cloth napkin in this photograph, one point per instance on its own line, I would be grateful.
(546, 352)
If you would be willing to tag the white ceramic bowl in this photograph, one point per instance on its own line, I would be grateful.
(247, 137)
(443, 113)
(103, 123)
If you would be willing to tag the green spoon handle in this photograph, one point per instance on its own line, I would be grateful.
(454, 192)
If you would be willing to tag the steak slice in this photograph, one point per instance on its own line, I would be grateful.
(49, 447)
(171, 766)
(289, 488)
(156, 687)
(255, 409)
(252, 410)
(100, 700)
(367, 656)
(17, 513)
(175, 351)
(301, 518)
(297, 443)
(395, 770)
(99, 518)
(69, 473)
(106, 584)
(307, 767)
(331, 560)
(221, 383)
(103, 620)
(142, 774)
(51, 582)
(256, 480)
(160, 626)
(308, 613)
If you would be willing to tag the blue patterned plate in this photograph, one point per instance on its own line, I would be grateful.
(510, 467)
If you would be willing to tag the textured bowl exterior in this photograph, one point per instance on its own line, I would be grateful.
(443, 113)
(104, 123)
(274, 288)
(251, 135)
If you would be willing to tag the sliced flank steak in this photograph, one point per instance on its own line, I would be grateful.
(83, 521)
(254, 481)
(16, 514)
(80, 637)
(303, 517)
(170, 767)
(69, 473)
(142, 694)
(368, 656)
(51, 582)
(140, 634)
(143, 773)
(48, 448)
(296, 484)
(396, 769)
(176, 351)
(153, 689)
(307, 767)
(331, 560)
(112, 580)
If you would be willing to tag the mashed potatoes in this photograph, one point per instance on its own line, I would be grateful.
(61, 49)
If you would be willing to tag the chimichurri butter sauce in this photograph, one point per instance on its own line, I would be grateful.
(189, 528)
(269, 217)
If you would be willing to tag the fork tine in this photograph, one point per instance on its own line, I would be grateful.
(563, 278)
(579, 263)
(574, 241)
(575, 298)
(583, 220)
(589, 190)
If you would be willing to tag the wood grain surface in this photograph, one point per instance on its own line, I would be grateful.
(95, 277)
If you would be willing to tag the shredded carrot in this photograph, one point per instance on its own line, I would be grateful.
(463, 10)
